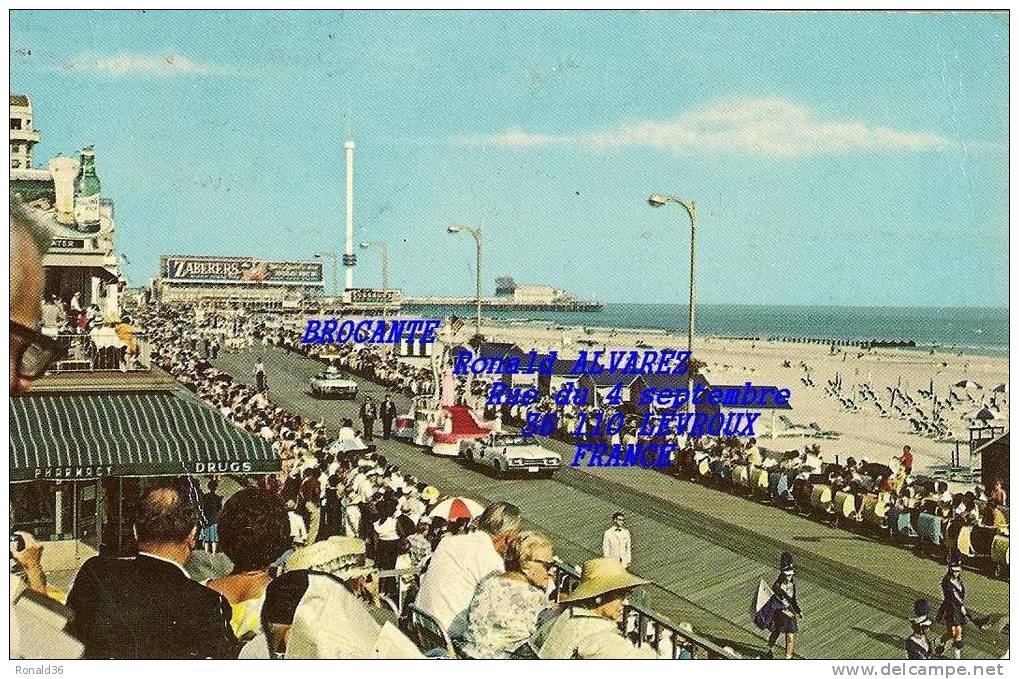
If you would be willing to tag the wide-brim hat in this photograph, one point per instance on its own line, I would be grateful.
(342, 556)
(430, 493)
(600, 576)
(786, 564)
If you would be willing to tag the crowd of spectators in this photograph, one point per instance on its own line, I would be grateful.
(894, 486)
(488, 583)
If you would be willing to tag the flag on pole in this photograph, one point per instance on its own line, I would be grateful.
(765, 605)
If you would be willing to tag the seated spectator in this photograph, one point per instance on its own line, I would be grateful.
(588, 627)
(461, 562)
(503, 614)
(255, 531)
(120, 613)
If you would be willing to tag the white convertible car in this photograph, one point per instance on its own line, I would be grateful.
(332, 383)
(507, 453)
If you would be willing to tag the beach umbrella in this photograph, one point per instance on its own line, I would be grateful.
(967, 384)
(983, 414)
(454, 508)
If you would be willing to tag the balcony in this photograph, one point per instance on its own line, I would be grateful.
(102, 352)
(24, 136)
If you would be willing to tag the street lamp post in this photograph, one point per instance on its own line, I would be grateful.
(658, 200)
(336, 268)
(384, 252)
(476, 233)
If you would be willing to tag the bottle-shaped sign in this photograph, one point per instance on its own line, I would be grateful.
(86, 193)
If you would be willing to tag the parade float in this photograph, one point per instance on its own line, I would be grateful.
(437, 421)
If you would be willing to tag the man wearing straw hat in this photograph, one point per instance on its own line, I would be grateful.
(588, 627)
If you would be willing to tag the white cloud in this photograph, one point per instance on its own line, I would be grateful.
(769, 127)
(126, 63)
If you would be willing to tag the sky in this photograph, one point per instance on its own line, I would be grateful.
(835, 158)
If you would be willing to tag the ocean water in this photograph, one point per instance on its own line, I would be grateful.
(981, 330)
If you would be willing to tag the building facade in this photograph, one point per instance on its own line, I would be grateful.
(22, 135)
(81, 259)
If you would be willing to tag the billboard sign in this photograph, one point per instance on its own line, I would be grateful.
(243, 270)
(372, 297)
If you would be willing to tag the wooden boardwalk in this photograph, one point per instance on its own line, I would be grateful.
(704, 548)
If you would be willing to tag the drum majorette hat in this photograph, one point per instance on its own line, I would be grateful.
(921, 609)
(955, 563)
(786, 563)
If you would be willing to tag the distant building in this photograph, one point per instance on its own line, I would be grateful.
(504, 286)
(23, 136)
(540, 294)
(81, 258)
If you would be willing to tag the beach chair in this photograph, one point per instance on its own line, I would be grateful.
(874, 510)
(778, 485)
(981, 538)
(964, 543)
(904, 526)
(820, 497)
(429, 633)
(845, 505)
(929, 528)
(999, 554)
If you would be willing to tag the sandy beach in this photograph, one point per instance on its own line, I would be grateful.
(864, 433)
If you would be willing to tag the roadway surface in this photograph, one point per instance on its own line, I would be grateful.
(705, 549)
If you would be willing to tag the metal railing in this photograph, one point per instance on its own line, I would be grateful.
(83, 352)
(644, 627)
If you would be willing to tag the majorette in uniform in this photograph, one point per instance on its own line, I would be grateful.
(781, 611)
(919, 645)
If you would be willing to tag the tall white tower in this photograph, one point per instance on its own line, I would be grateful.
(349, 258)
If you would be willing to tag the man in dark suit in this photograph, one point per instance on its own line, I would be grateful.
(147, 607)
(388, 413)
(368, 415)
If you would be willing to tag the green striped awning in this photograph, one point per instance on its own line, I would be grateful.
(88, 436)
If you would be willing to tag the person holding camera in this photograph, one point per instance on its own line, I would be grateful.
(26, 552)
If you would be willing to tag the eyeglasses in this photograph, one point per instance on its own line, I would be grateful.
(34, 351)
